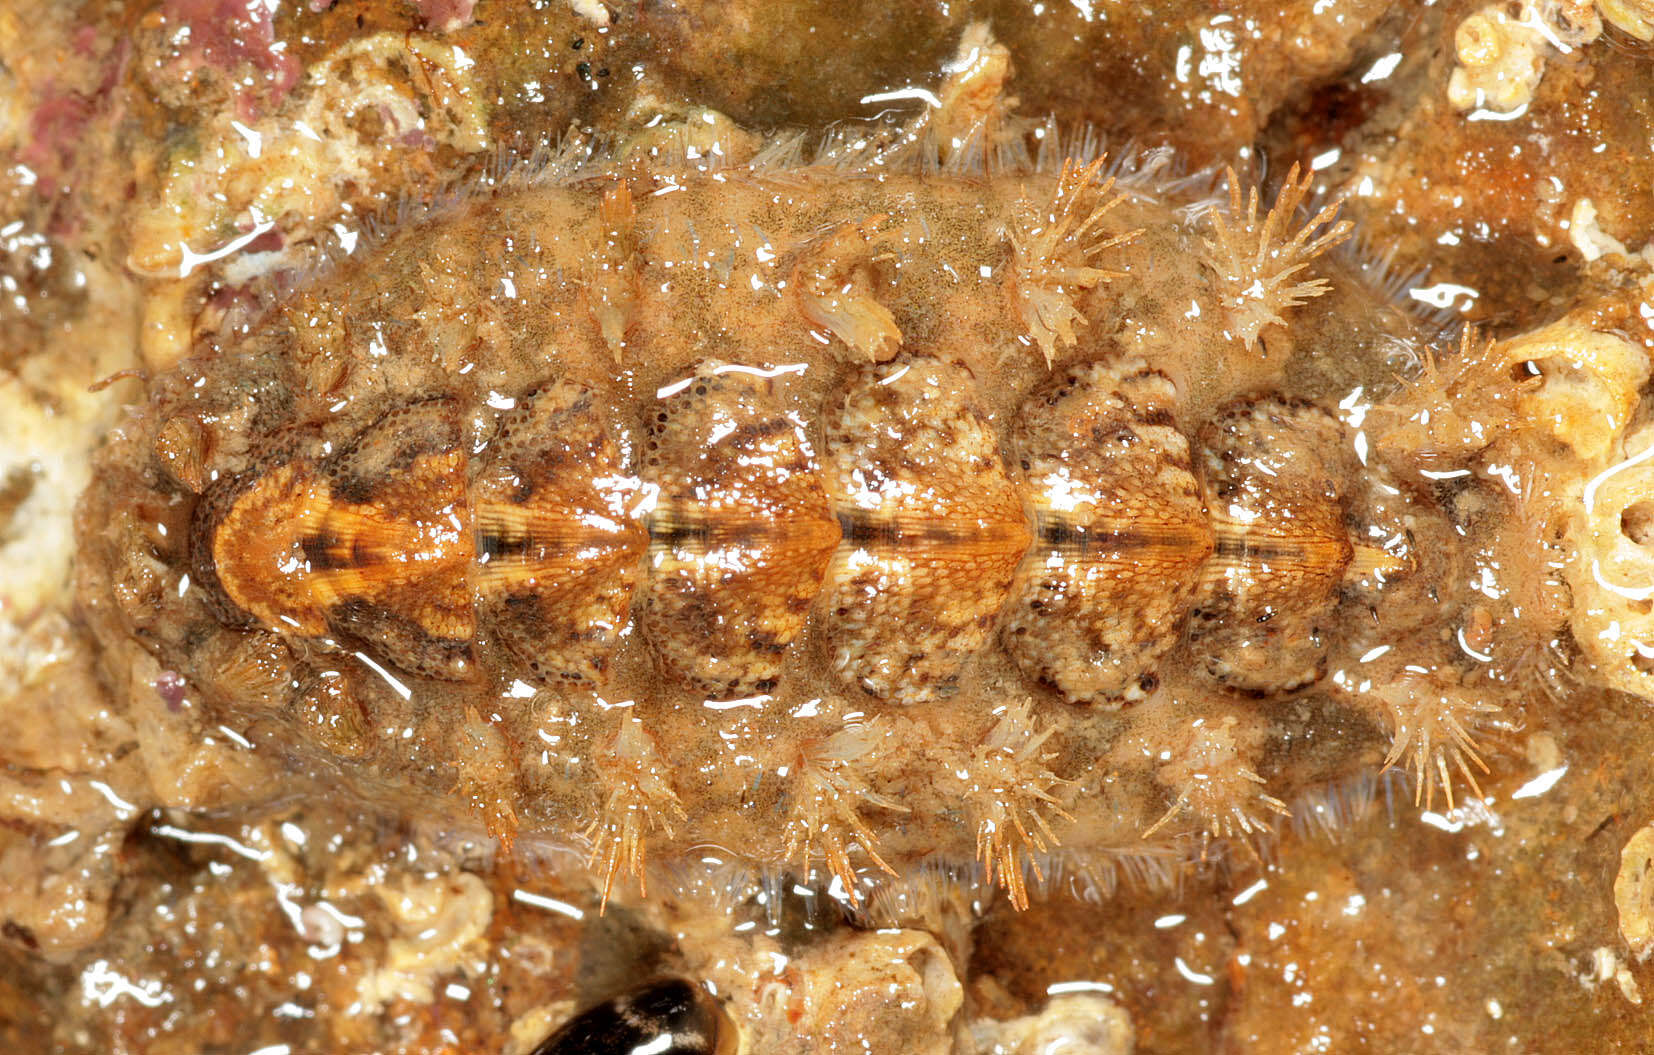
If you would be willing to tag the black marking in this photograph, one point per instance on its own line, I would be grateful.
(1245, 550)
(1143, 373)
(1069, 537)
(671, 1017)
(668, 530)
(869, 532)
(321, 552)
(495, 546)
(861, 530)
(751, 434)
(1124, 435)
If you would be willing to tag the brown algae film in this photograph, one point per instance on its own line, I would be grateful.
(930, 496)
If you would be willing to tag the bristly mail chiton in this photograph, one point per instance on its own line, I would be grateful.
(919, 498)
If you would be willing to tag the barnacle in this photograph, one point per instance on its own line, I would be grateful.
(904, 976)
(1636, 17)
(1568, 23)
(1587, 236)
(1257, 261)
(1576, 383)
(1500, 61)
(420, 88)
(637, 801)
(1070, 1023)
(1634, 892)
(1588, 383)
(1612, 571)
(1051, 251)
(441, 922)
(828, 792)
(1501, 54)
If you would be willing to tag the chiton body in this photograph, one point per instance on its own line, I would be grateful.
(907, 541)
(924, 498)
